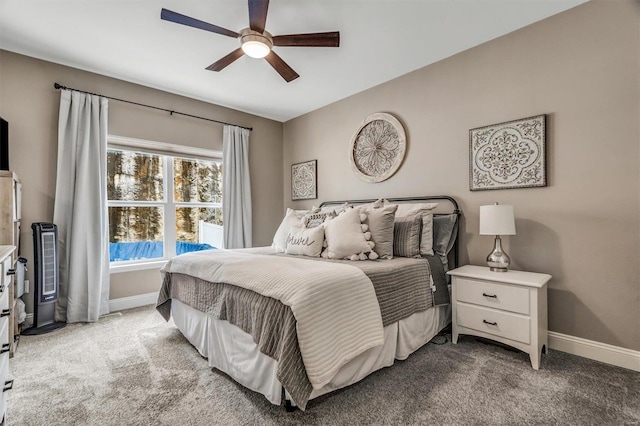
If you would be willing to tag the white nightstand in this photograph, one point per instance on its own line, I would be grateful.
(508, 307)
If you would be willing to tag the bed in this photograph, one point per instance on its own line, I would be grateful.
(293, 327)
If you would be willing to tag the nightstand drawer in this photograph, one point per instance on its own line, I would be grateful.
(504, 324)
(492, 295)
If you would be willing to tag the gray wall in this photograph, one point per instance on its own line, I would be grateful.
(30, 104)
(582, 68)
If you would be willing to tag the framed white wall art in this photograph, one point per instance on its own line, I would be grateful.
(304, 180)
(508, 155)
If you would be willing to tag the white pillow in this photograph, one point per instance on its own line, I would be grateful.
(347, 238)
(300, 213)
(410, 209)
(374, 205)
(293, 218)
(305, 241)
(331, 208)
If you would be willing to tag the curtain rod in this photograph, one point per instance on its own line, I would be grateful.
(60, 86)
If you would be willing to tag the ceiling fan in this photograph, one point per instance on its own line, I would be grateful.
(255, 41)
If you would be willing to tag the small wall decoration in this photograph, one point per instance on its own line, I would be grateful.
(378, 147)
(508, 155)
(304, 180)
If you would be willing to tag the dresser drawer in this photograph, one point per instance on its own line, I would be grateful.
(4, 335)
(4, 298)
(6, 265)
(493, 295)
(4, 378)
(503, 324)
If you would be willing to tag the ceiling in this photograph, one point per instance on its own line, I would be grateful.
(380, 40)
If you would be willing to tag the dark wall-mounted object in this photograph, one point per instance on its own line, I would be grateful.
(4, 144)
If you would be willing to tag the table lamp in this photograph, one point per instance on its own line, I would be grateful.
(497, 220)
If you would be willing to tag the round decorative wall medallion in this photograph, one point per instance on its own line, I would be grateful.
(378, 147)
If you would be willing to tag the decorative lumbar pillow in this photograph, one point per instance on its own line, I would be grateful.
(311, 220)
(305, 242)
(293, 218)
(380, 223)
(426, 209)
(348, 238)
(406, 236)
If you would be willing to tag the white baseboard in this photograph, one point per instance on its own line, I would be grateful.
(614, 355)
(115, 305)
(133, 301)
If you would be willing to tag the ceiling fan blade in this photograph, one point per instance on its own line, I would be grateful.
(222, 63)
(281, 66)
(178, 18)
(258, 14)
(331, 39)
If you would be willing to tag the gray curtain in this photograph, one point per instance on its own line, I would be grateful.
(236, 187)
(80, 209)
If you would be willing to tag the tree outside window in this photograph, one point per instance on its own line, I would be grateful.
(161, 205)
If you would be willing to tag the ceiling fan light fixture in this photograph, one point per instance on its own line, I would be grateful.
(255, 49)
(255, 44)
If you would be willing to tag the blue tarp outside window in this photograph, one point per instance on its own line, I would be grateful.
(119, 252)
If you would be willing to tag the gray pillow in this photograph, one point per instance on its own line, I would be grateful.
(380, 222)
(445, 228)
(406, 236)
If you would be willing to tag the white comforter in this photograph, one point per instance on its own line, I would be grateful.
(335, 305)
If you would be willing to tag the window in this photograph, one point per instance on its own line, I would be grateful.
(162, 205)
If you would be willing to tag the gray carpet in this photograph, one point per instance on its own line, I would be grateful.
(132, 368)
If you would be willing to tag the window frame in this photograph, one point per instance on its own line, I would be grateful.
(167, 152)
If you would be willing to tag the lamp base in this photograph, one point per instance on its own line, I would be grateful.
(498, 260)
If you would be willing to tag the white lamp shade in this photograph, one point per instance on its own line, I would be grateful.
(497, 219)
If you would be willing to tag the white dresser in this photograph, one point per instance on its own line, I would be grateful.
(508, 307)
(6, 282)
(10, 219)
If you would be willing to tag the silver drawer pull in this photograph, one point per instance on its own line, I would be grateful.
(5, 348)
(490, 323)
(5, 313)
(8, 385)
(490, 295)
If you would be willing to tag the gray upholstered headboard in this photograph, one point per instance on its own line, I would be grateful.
(450, 206)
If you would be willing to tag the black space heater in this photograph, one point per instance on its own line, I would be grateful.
(45, 288)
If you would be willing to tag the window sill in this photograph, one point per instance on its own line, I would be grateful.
(118, 267)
